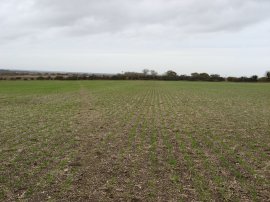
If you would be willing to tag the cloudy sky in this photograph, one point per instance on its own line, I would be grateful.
(229, 37)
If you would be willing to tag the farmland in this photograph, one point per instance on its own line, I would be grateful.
(134, 140)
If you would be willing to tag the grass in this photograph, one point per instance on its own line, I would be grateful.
(134, 140)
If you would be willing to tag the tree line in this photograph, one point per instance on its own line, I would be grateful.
(173, 76)
(146, 74)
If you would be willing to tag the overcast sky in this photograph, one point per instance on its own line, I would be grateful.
(229, 37)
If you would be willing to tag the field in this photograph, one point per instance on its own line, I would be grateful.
(134, 141)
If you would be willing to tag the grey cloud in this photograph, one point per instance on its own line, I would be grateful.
(219, 36)
(86, 17)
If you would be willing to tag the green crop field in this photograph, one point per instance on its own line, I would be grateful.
(134, 141)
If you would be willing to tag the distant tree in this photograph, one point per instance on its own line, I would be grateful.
(233, 79)
(153, 73)
(243, 79)
(254, 78)
(263, 79)
(216, 77)
(200, 77)
(133, 75)
(268, 75)
(204, 77)
(145, 71)
(184, 77)
(195, 76)
(171, 73)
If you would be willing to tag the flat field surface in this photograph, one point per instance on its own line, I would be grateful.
(134, 141)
